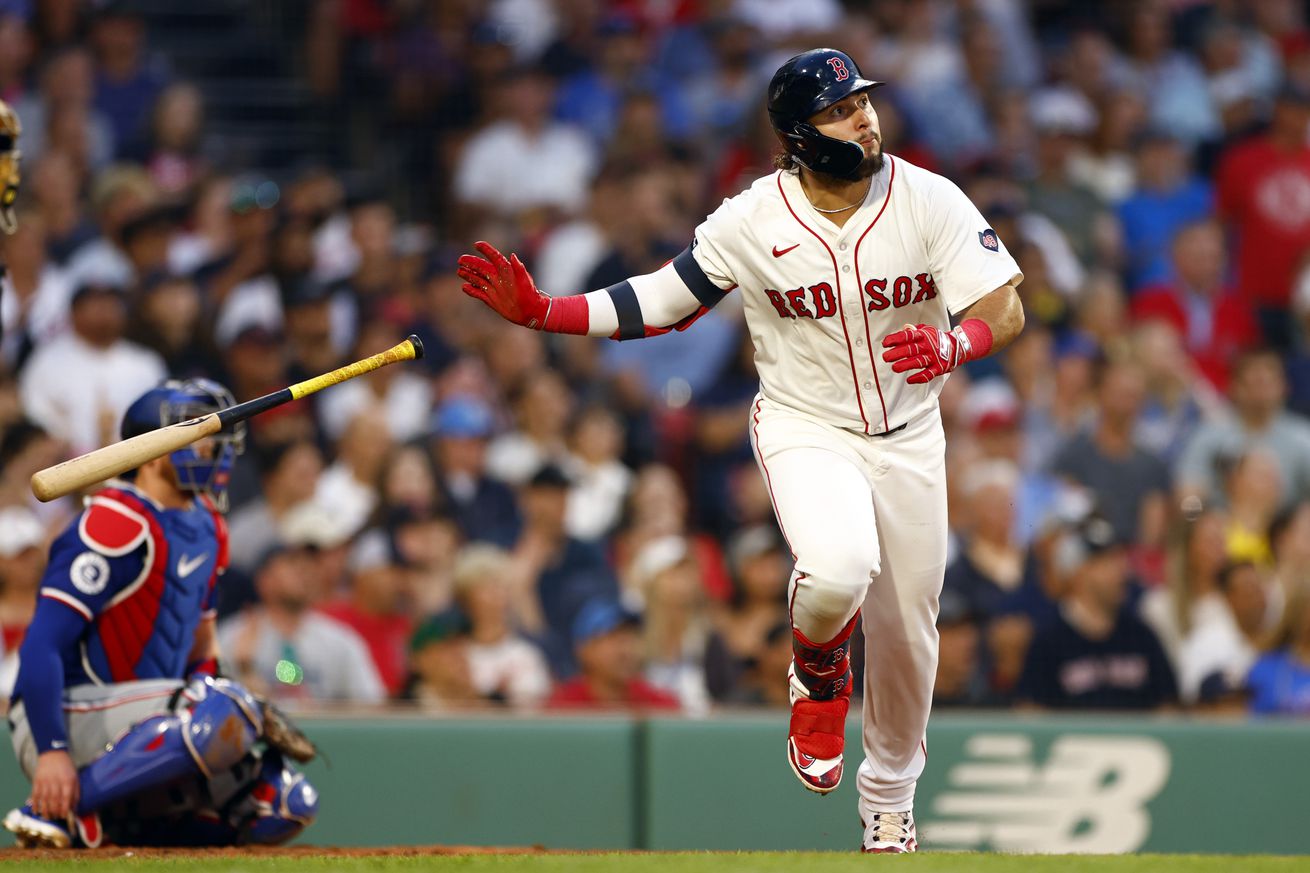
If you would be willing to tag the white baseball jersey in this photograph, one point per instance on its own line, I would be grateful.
(819, 298)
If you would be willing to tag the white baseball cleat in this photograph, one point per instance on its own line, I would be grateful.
(890, 833)
(36, 832)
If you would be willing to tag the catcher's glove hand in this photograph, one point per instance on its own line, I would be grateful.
(10, 128)
(282, 734)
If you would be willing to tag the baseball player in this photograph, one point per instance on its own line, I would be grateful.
(851, 263)
(122, 650)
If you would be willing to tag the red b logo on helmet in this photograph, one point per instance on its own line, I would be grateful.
(839, 67)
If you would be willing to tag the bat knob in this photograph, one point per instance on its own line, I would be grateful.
(417, 344)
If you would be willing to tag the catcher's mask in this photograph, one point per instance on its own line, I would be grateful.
(175, 401)
(10, 128)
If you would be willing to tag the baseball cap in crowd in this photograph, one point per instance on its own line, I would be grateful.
(549, 476)
(303, 291)
(991, 405)
(600, 616)
(750, 543)
(19, 530)
(313, 525)
(1062, 110)
(953, 609)
(93, 287)
(439, 628)
(370, 552)
(462, 416)
(654, 558)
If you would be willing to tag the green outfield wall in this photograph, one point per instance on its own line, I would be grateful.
(1040, 783)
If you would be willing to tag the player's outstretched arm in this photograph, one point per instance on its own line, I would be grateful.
(926, 352)
(670, 298)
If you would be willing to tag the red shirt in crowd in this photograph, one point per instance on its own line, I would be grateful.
(1213, 335)
(1264, 194)
(577, 694)
(387, 638)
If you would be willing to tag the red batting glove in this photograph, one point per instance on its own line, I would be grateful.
(933, 351)
(504, 285)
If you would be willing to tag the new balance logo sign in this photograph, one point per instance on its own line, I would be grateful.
(1091, 795)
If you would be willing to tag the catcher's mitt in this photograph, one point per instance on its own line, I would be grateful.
(282, 734)
(10, 128)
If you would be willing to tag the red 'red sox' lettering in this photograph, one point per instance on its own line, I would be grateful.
(822, 300)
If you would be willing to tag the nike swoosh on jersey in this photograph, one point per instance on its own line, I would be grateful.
(186, 566)
(778, 253)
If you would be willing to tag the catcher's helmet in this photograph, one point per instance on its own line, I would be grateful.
(10, 128)
(805, 84)
(177, 400)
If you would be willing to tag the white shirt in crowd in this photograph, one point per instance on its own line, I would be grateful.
(507, 169)
(512, 668)
(72, 388)
(334, 662)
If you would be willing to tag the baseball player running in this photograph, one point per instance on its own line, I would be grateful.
(122, 651)
(851, 263)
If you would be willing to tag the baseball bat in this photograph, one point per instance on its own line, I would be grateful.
(113, 460)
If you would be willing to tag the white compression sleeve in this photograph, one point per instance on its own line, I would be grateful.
(659, 299)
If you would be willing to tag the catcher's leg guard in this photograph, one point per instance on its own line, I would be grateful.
(820, 686)
(220, 725)
(280, 805)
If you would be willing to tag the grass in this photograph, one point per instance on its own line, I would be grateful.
(745, 862)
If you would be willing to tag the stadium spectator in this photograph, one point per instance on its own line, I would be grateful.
(440, 672)
(524, 161)
(601, 482)
(288, 476)
(1289, 536)
(483, 507)
(1264, 197)
(961, 679)
(1258, 391)
(287, 651)
(677, 627)
(22, 561)
(503, 666)
(543, 405)
(77, 385)
(1279, 683)
(1213, 320)
(374, 607)
(1168, 198)
(67, 81)
(1226, 637)
(1179, 399)
(1097, 653)
(556, 573)
(348, 487)
(1196, 555)
(607, 642)
(993, 572)
(760, 569)
(1128, 484)
(128, 80)
(35, 308)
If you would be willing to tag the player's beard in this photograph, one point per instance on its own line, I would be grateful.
(870, 166)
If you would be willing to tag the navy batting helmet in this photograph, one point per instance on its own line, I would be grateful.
(806, 84)
(177, 400)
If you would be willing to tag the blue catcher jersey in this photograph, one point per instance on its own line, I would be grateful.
(143, 577)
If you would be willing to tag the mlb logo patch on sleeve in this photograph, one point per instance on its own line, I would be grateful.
(989, 240)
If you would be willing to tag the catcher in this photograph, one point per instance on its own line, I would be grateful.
(119, 717)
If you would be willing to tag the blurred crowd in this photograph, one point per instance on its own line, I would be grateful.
(538, 521)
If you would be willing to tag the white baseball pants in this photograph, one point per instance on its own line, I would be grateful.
(865, 518)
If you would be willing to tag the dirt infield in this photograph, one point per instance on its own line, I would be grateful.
(15, 855)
